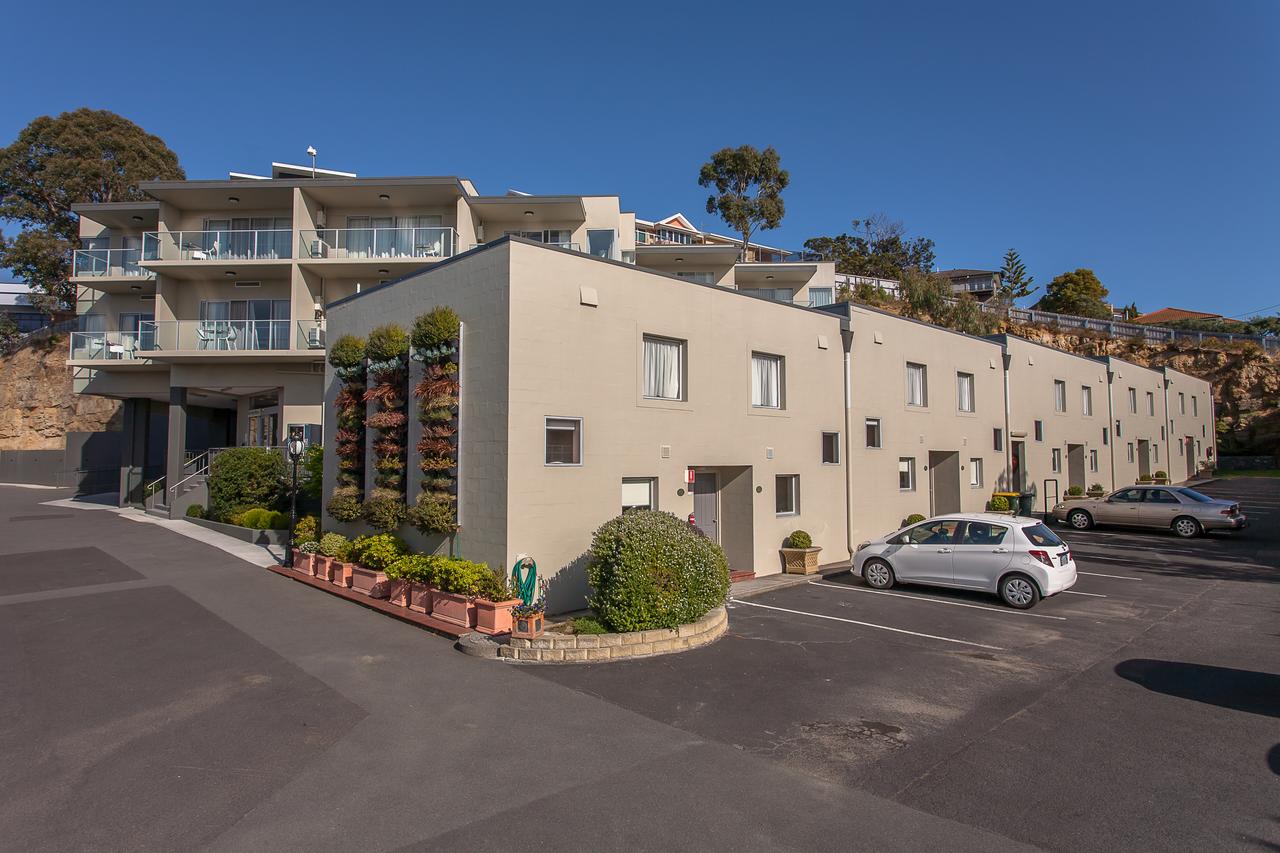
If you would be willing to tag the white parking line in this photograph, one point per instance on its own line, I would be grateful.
(1006, 611)
(867, 625)
(1100, 575)
(1090, 594)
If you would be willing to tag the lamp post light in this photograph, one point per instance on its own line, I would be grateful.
(296, 445)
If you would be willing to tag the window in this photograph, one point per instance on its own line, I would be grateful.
(564, 441)
(766, 381)
(932, 533)
(1059, 395)
(1204, 431)
(1155, 453)
(1055, 460)
(600, 242)
(1193, 495)
(997, 439)
(1197, 450)
(1162, 436)
(639, 493)
(1039, 430)
(1042, 536)
(1195, 406)
(1133, 401)
(1086, 400)
(1093, 460)
(821, 296)
(1117, 429)
(982, 533)
(1106, 436)
(1182, 403)
(1179, 448)
(663, 368)
(1151, 404)
(831, 448)
(975, 473)
(873, 432)
(907, 473)
(964, 392)
(703, 277)
(1130, 451)
(917, 385)
(1128, 496)
(786, 494)
(1160, 496)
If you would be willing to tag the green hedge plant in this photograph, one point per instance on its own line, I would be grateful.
(998, 503)
(242, 478)
(196, 511)
(1075, 491)
(379, 551)
(799, 539)
(387, 343)
(334, 545)
(649, 569)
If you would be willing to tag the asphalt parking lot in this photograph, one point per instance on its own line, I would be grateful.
(1136, 711)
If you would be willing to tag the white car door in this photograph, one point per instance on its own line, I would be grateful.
(923, 553)
(981, 555)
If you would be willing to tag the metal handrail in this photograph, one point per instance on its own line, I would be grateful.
(201, 470)
(419, 241)
(227, 244)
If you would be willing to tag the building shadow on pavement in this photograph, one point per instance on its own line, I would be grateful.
(1237, 689)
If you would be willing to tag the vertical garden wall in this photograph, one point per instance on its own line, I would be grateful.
(346, 356)
(435, 345)
(387, 351)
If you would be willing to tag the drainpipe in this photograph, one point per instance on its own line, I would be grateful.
(846, 341)
(1111, 422)
(1213, 425)
(1007, 359)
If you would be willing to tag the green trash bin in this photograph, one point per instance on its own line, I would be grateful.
(1026, 503)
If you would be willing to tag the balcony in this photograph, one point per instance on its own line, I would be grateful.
(111, 263)
(377, 243)
(189, 254)
(244, 337)
(112, 348)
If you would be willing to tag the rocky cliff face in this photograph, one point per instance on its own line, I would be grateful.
(1246, 381)
(38, 406)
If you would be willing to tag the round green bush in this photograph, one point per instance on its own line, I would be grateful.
(384, 513)
(195, 511)
(588, 625)
(649, 569)
(1162, 475)
(344, 508)
(334, 545)
(433, 515)
(387, 343)
(379, 551)
(799, 539)
(1075, 491)
(434, 328)
(914, 518)
(242, 478)
(347, 351)
(999, 503)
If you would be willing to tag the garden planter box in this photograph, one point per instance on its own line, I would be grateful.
(494, 617)
(420, 596)
(527, 627)
(368, 582)
(323, 567)
(304, 562)
(341, 574)
(1075, 497)
(398, 593)
(801, 561)
(454, 609)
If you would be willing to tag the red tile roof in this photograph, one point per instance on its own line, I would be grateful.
(1173, 315)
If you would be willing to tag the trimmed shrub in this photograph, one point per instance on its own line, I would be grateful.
(196, 511)
(649, 569)
(415, 568)
(334, 545)
(433, 515)
(462, 577)
(387, 343)
(307, 529)
(1162, 475)
(261, 518)
(242, 478)
(384, 513)
(588, 625)
(347, 351)
(998, 503)
(379, 551)
(914, 518)
(1096, 489)
(495, 587)
(435, 329)
(345, 507)
(308, 547)
(1075, 491)
(799, 539)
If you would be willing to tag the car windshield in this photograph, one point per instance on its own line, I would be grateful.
(1194, 495)
(1043, 536)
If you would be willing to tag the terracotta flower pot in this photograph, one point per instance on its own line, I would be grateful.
(341, 574)
(527, 627)
(420, 596)
(454, 609)
(303, 562)
(398, 593)
(324, 567)
(494, 617)
(368, 581)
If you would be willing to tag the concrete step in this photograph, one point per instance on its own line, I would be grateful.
(158, 511)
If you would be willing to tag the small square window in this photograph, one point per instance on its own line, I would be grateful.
(1039, 430)
(639, 493)
(564, 441)
(786, 495)
(975, 473)
(997, 436)
(831, 448)
(873, 432)
(906, 473)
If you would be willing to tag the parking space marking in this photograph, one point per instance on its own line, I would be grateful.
(1100, 575)
(1006, 611)
(1090, 594)
(868, 625)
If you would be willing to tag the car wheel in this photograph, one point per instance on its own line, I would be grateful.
(1080, 520)
(1019, 591)
(878, 574)
(1186, 527)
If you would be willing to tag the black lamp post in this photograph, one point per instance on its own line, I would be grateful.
(296, 445)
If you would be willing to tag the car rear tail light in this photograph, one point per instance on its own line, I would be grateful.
(1042, 556)
(1231, 510)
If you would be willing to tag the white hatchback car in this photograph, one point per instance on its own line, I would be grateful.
(1017, 558)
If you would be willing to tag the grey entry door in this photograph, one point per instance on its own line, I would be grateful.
(705, 511)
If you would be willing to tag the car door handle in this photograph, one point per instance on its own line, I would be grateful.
(999, 550)
(944, 550)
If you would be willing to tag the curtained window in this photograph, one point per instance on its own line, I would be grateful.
(564, 441)
(663, 368)
(1059, 395)
(917, 385)
(766, 381)
(964, 392)
(1086, 400)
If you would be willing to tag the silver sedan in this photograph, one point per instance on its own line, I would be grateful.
(1184, 511)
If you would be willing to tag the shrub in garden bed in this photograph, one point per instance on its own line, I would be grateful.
(196, 511)
(435, 344)
(649, 569)
(261, 518)
(307, 529)
(242, 478)
(334, 545)
(1075, 491)
(385, 510)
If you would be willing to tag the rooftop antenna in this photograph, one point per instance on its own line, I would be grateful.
(311, 152)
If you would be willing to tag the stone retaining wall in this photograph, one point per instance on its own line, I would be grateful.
(578, 648)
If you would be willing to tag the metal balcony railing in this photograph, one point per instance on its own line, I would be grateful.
(109, 262)
(377, 243)
(229, 245)
(111, 346)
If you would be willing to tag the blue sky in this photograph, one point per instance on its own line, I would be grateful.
(1135, 138)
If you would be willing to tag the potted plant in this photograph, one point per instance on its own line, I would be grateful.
(371, 556)
(528, 620)
(457, 583)
(418, 570)
(331, 554)
(799, 554)
(1144, 479)
(493, 605)
(1001, 502)
(1075, 493)
(1162, 478)
(1096, 490)
(304, 556)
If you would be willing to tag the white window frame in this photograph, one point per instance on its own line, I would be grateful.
(1086, 401)
(780, 391)
(682, 348)
(792, 489)
(1060, 396)
(910, 471)
(1055, 460)
(836, 437)
(961, 402)
(578, 430)
(1182, 403)
(650, 482)
(1131, 454)
(1133, 401)
(924, 385)
(1093, 460)
(879, 432)
(975, 473)
(1151, 404)
(1195, 406)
